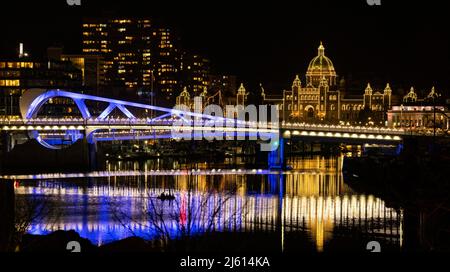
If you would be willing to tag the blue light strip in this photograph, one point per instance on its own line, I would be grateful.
(37, 103)
(83, 109)
(126, 111)
(161, 117)
(106, 112)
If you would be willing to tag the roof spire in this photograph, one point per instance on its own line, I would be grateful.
(387, 89)
(368, 90)
(297, 82)
(241, 89)
(321, 49)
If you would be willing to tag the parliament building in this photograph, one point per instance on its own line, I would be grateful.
(320, 99)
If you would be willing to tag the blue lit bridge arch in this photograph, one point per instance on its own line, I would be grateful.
(48, 131)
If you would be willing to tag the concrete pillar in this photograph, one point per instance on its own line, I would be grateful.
(6, 142)
(7, 212)
(92, 155)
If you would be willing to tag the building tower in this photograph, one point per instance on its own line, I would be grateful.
(184, 99)
(387, 97)
(368, 97)
(323, 92)
(241, 96)
(319, 67)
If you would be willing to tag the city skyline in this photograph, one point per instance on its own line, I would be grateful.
(279, 128)
(272, 51)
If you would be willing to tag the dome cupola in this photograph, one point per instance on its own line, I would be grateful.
(319, 67)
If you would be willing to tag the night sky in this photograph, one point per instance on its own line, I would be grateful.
(406, 43)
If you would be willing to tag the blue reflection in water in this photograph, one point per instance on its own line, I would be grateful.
(316, 203)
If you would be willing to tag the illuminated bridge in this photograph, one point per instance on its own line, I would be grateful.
(103, 127)
(54, 132)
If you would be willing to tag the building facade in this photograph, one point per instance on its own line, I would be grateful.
(430, 112)
(226, 85)
(321, 99)
(144, 58)
(166, 64)
(92, 72)
(195, 72)
(19, 74)
(125, 45)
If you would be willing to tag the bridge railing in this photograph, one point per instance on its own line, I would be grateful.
(343, 128)
(133, 121)
(38, 123)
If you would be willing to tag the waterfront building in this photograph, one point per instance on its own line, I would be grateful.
(185, 98)
(144, 58)
(321, 99)
(166, 64)
(91, 67)
(24, 72)
(195, 72)
(414, 113)
(125, 46)
(241, 96)
(226, 85)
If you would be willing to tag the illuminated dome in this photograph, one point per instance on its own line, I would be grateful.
(411, 97)
(319, 67)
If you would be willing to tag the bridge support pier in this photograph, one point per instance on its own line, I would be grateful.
(92, 155)
(277, 158)
(6, 142)
(7, 210)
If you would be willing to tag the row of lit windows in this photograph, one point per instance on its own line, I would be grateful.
(168, 82)
(166, 66)
(352, 107)
(309, 97)
(90, 42)
(122, 21)
(94, 25)
(95, 33)
(10, 83)
(164, 70)
(16, 65)
(9, 73)
(121, 62)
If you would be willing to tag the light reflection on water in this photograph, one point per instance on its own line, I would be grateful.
(313, 200)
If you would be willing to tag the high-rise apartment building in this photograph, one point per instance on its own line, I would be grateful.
(195, 73)
(167, 64)
(145, 58)
(125, 45)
